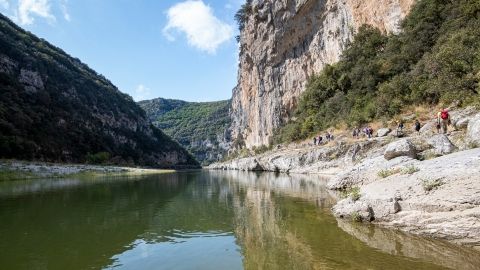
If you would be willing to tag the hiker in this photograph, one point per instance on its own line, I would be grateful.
(400, 125)
(438, 126)
(370, 131)
(319, 140)
(314, 140)
(354, 133)
(418, 126)
(328, 136)
(400, 128)
(443, 119)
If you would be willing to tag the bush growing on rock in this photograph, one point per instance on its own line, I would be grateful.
(434, 59)
(431, 184)
(388, 172)
(352, 193)
(410, 170)
(356, 217)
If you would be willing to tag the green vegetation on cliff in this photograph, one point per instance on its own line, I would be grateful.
(200, 127)
(435, 59)
(55, 108)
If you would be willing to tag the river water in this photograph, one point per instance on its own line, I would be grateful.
(199, 220)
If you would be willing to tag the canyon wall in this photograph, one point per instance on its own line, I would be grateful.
(283, 42)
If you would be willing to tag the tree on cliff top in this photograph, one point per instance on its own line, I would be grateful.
(242, 14)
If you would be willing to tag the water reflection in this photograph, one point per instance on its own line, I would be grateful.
(201, 220)
(400, 244)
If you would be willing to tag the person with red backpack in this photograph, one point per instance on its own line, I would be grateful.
(443, 118)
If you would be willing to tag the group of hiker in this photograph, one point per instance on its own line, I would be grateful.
(367, 131)
(318, 140)
(442, 123)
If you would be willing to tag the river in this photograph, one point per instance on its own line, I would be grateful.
(200, 220)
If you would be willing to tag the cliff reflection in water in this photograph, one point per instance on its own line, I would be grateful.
(284, 222)
(199, 220)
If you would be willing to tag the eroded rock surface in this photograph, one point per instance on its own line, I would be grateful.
(285, 42)
(473, 131)
(441, 199)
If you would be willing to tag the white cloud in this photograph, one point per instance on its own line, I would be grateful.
(28, 8)
(202, 29)
(141, 92)
(63, 7)
(4, 4)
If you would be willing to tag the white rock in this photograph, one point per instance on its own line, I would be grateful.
(473, 130)
(31, 80)
(400, 148)
(441, 144)
(383, 132)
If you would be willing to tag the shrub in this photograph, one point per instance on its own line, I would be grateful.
(355, 193)
(356, 217)
(411, 169)
(388, 172)
(352, 193)
(429, 184)
(98, 158)
(242, 14)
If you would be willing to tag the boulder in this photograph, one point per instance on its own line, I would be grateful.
(400, 148)
(429, 127)
(383, 132)
(347, 208)
(461, 118)
(441, 145)
(473, 130)
(462, 123)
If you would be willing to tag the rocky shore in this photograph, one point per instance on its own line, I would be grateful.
(16, 170)
(423, 183)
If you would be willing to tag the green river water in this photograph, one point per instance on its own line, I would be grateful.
(199, 220)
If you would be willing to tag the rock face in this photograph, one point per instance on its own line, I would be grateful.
(461, 118)
(400, 148)
(473, 131)
(285, 42)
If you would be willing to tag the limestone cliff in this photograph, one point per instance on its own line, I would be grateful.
(283, 42)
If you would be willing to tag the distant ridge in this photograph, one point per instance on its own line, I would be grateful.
(200, 127)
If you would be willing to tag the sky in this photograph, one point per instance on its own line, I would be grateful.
(183, 49)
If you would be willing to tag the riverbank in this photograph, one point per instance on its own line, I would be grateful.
(422, 183)
(19, 170)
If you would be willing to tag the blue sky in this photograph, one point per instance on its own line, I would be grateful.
(182, 49)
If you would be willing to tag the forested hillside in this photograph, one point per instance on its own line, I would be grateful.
(201, 127)
(435, 59)
(55, 108)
